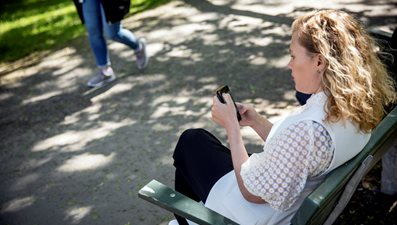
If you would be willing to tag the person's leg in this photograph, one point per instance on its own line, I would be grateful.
(93, 23)
(116, 32)
(200, 160)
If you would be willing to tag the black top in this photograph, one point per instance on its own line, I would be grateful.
(115, 10)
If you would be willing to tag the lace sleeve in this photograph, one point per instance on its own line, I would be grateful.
(279, 173)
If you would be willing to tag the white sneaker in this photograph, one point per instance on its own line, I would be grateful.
(141, 56)
(101, 77)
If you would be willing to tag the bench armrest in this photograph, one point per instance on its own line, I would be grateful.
(175, 202)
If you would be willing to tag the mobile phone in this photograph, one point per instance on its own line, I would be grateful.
(225, 89)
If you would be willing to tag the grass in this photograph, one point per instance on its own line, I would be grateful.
(28, 26)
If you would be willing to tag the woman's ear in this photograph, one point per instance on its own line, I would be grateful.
(320, 63)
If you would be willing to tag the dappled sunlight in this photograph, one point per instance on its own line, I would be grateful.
(92, 111)
(162, 127)
(205, 26)
(240, 24)
(168, 98)
(206, 101)
(275, 110)
(259, 7)
(191, 29)
(203, 17)
(86, 162)
(176, 12)
(282, 30)
(17, 204)
(220, 2)
(209, 80)
(60, 58)
(276, 7)
(184, 52)
(257, 60)
(282, 108)
(166, 110)
(73, 66)
(369, 10)
(64, 65)
(14, 78)
(289, 95)
(169, 105)
(76, 213)
(5, 96)
(24, 181)
(281, 62)
(56, 65)
(198, 123)
(196, 23)
(66, 139)
(184, 27)
(149, 78)
(155, 48)
(115, 90)
(211, 39)
(208, 87)
(262, 41)
(71, 141)
(250, 136)
(42, 97)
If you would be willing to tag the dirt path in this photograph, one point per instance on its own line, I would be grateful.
(73, 155)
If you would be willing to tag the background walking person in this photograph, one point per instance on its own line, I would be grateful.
(102, 17)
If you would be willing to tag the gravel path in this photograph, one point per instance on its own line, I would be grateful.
(73, 155)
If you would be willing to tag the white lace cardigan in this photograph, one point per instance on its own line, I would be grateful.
(298, 152)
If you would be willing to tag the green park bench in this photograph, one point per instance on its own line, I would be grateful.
(322, 206)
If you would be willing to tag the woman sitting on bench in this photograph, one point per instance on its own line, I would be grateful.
(334, 60)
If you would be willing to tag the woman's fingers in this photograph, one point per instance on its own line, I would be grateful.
(220, 111)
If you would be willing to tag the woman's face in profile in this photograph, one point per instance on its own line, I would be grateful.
(304, 68)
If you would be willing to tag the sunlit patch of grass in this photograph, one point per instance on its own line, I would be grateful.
(34, 25)
(27, 26)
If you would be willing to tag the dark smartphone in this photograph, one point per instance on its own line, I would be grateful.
(225, 89)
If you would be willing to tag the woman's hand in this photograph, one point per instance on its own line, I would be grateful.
(249, 116)
(224, 114)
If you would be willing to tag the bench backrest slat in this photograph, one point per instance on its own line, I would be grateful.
(318, 205)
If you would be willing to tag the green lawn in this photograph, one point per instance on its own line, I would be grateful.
(27, 26)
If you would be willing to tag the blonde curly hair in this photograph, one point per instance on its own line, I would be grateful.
(355, 80)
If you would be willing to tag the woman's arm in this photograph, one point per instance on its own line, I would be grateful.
(239, 156)
(250, 117)
(225, 115)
